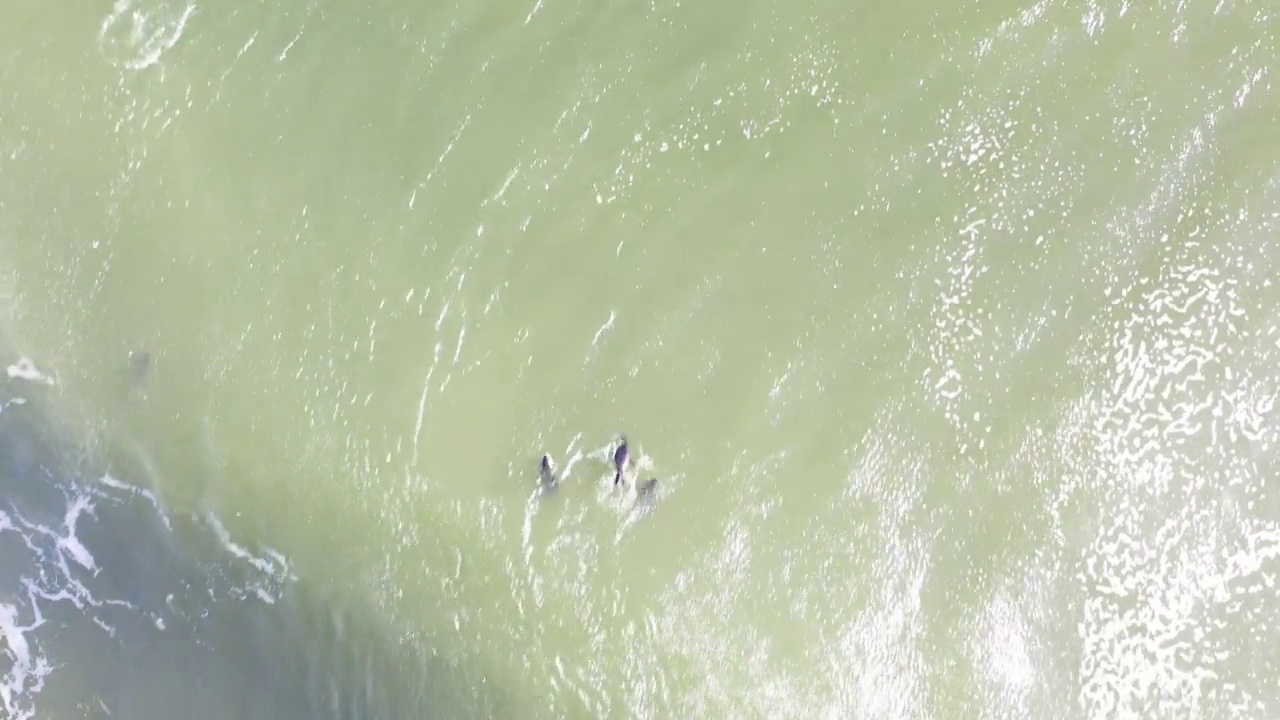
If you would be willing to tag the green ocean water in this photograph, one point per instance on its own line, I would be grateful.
(948, 329)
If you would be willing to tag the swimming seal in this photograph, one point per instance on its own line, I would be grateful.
(647, 490)
(548, 472)
(621, 458)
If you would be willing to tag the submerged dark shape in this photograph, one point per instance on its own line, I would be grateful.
(647, 490)
(132, 378)
(139, 363)
(621, 458)
(139, 369)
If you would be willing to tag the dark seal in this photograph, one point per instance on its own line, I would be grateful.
(621, 459)
(550, 482)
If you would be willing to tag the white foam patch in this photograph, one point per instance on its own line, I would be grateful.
(69, 542)
(28, 668)
(61, 570)
(65, 548)
(25, 369)
(52, 579)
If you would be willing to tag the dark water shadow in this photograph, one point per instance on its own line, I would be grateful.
(111, 607)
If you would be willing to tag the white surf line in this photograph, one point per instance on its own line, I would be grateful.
(572, 443)
(568, 465)
(111, 482)
(70, 542)
(422, 403)
(607, 325)
(462, 334)
(285, 52)
(536, 7)
(273, 565)
(444, 311)
(235, 548)
(7, 524)
(506, 185)
(426, 383)
(462, 330)
(457, 133)
(72, 589)
(222, 81)
(118, 9)
(595, 340)
(66, 543)
(435, 359)
(152, 57)
(27, 671)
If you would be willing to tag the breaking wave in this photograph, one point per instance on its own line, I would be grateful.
(86, 561)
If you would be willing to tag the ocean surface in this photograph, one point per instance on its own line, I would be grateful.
(949, 330)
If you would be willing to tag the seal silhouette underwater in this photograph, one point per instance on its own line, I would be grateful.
(132, 378)
(139, 364)
(647, 492)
